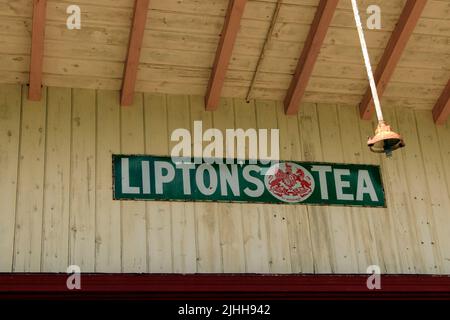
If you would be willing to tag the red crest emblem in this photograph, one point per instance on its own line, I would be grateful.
(290, 182)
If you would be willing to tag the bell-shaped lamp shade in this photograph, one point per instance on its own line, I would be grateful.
(385, 140)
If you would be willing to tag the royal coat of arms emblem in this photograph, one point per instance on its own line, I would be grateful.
(290, 182)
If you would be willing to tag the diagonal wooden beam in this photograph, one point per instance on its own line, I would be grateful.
(224, 51)
(311, 50)
(134, 51)
(441, 111)
(394, 49)
(37, 49)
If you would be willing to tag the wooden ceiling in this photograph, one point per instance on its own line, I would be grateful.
(181, 40)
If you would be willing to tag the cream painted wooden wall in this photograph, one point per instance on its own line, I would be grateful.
(56, 206)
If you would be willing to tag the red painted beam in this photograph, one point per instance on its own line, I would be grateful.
(441, 110)
(223, 54)
(37, 49)
(311, 50)
(222, 286)
(392, 54)
(134, 51)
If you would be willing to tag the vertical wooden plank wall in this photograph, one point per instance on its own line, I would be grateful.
(254, 224)
(319, 222)
(183, 229)
(82, 187)
(209, 259)
(30, 188)
(230, 215)
(275, 217)
(55, 248)
(10, 119)
(298, 221)
(352, 149)
(108, 236)
(56, 205)
(133, 214)
(159, 217)
(344, 244)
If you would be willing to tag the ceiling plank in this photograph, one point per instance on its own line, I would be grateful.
(37, 50)
(441, 111)
(311, 50)
(224, 52)
(134, 51)
(392, 53)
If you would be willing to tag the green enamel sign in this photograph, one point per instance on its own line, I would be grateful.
(141, 177)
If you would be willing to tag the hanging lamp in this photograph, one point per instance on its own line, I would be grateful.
(385, 140)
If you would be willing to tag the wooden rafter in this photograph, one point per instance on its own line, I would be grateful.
(316, 36)
(134, 51)
(441, 110)
(394, 49)
(224, 51)
(37, 49)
